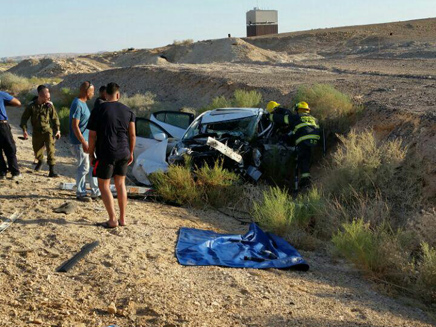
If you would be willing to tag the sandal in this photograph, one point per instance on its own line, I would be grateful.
(106, 225)
(119, 223)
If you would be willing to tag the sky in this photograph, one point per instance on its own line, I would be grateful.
(65, 26)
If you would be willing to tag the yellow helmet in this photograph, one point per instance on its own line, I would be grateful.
(271, 106)
(302, 107)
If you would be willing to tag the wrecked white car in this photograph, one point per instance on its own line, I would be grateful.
(155, 137)
(240, 137)
(236, 135)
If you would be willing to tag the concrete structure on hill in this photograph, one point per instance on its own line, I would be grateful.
(262, 22)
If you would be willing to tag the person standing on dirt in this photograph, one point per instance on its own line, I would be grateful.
(79, 117)
(101, 97)
(7, 143)
(303, 132)
(45, 124)
(112, 135)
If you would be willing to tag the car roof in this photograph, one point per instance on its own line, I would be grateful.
(225, 114)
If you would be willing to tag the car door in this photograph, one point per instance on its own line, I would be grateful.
(174, 122)
(148, 134)
(152, 146)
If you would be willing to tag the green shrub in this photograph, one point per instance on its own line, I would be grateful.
(362, 165)
(217, 102)
(333, 108)
(240, 99)
(177, 186)
(218, 184)
(18, 84)
(205, 186)
(64, 97)
(246, 99)
(280, 214)
(426, 282)
(141, 103)
(64, 119)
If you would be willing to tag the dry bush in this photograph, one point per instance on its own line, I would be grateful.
(206, 186)
(293, 219)
(240, 99)
(426, 281)
(183, 42)
(219, 186)
(17, 84)
(217, 102)
(334, 109)
(177, 186)
(141, 103)
(376, 250)
(64, 119)
(246, 99)
(363, 165)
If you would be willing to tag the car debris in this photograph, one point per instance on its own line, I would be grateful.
(6, 224)
(131, 190)
(241, 137)
(244, 136)
(81, 254)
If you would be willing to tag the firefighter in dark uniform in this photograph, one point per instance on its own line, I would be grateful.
(45, 124)
(303, 131)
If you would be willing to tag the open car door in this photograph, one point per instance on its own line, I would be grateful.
(152, 144)
(174, 122)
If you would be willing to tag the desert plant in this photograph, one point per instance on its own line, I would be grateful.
(279, 213)
(333, 108)
(217, 102)
(426, 282)
(177, 185)
(183, 42)
(247, 99)
(18, 84)
(363, 165)
(140, 103)
(64, 119)
(218, 185)
(240, 99)
(197, 187)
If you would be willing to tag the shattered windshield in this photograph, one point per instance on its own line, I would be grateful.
(242, 128)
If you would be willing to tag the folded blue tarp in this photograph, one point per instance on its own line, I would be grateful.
(256, 249)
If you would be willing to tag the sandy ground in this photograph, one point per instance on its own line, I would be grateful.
(135, 268)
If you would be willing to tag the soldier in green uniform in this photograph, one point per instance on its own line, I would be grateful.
(45, 123)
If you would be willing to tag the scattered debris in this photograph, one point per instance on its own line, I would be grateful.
(83, 252)
(112, 309)
(131, 190)
(66, 208)
(4, 225)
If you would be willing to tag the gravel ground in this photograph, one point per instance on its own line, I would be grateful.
(134, 269)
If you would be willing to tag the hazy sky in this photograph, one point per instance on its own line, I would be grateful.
(52, 26)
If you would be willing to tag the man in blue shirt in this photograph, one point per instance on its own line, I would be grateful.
(7, 144)
(79, 117)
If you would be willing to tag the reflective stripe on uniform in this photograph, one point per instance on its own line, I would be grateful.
(305, 175)
(286, 119)
(307, 137)
(303, 125)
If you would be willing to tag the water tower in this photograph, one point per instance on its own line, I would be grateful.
(262, 22)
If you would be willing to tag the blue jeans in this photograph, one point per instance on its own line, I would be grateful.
(83, 170)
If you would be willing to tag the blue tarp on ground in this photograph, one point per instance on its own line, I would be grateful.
(256, 249)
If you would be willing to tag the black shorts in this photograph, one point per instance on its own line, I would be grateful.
(105, 169)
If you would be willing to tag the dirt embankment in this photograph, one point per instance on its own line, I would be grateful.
(54, 67)
(407, 39)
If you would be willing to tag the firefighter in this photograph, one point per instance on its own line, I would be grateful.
(304, 134)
